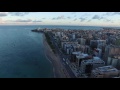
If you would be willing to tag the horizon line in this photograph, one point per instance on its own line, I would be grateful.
(60, 25)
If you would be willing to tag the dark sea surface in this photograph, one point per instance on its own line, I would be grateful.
(22, 52)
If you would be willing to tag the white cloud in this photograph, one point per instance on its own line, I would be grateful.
(2, 14)
(19, 13)
(20, 20)
(82, 19)
(59, 17)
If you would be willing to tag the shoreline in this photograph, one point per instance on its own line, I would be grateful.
(51, 63)
(58, 69)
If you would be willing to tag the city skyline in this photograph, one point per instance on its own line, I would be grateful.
(61, 18)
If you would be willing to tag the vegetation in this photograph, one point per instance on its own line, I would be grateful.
(49, 42)
(118, 42)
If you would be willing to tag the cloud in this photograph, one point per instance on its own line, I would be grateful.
(43, 18)
(75, 19)
(1, 21)
(20, 20)
(2, 14)
(37, 21)
(108, 20)
(69, 17)
(108, 13)
(89, 20)
(82, 19)
(112, 13)
(97, 17)
(19, 13)
(59, 17)
(53, 18)
(103, 18)
(116, 13)
(86, 14)
(73, 13)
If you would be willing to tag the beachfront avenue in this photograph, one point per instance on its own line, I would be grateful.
(61, 55)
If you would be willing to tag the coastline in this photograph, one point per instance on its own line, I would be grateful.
(58, 69)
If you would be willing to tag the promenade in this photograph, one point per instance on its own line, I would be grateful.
(58, 68)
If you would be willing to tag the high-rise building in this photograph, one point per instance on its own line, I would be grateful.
(111, 50)
(79, 58)
(88, 65)
(98, 52)
(114, 60)
(73, 36)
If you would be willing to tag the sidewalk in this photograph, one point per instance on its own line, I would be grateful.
(74, 69)
(60, 71)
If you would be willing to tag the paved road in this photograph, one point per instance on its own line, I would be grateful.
(61, 55)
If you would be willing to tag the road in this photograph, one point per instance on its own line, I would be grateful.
(61, 56)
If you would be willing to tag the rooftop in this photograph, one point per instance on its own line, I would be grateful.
(77, 53)
(94, 60)
(115, 56)
(106, 69)
(81, 55)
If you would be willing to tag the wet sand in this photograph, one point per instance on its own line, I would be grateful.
(58, 68)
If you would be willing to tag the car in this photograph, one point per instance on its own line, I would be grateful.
(67, 63)
(63, 59)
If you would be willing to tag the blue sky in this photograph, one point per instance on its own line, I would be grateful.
(61, 18)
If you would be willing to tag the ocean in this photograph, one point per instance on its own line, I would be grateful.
(22, 52)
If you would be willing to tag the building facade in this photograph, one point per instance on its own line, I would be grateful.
(88, 65)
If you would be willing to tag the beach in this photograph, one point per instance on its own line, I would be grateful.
(58, 68)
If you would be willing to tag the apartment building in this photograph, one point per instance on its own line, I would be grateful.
(105, 72)
(88, 65)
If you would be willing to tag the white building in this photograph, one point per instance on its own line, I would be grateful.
(87, 49)
(79, 57)
(105, 72)
(69, 50)
(73, 56)
(59, 34)
(69, 47)
(93, 41)
(73, 36)
(62, 43)
(88, 65)
(114, 61)
(62, 34)
(111, 50)
(76, 47)
(81, 41)
(101, 42)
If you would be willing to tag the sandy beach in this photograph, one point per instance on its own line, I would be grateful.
(58, 69)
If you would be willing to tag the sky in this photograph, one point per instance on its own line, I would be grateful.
(61, 18)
